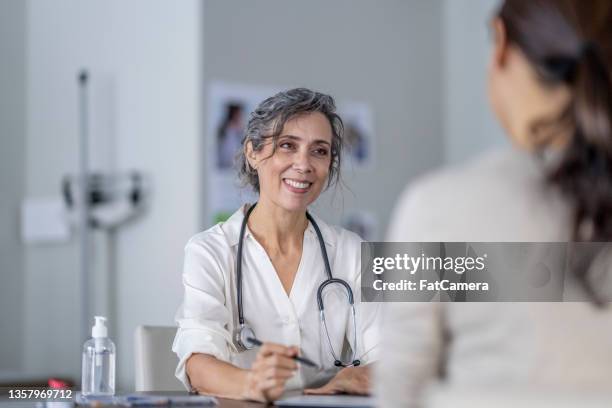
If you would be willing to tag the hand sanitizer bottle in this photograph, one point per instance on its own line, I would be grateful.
(98, 369)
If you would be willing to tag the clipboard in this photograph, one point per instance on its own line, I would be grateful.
(329, 401)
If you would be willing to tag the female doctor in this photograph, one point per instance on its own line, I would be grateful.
(275, 274)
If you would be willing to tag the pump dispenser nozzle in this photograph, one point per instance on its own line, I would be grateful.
(99, 330)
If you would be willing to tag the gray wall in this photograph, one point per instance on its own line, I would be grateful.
(415, 62)
(389, 56)
(469, 124)
(144, 61)
(12, 170)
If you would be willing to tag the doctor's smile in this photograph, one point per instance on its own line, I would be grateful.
(297, 186)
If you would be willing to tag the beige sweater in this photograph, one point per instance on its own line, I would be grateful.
(500, 197)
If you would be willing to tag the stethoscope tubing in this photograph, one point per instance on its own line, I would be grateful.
(330, 280)
(239, 265)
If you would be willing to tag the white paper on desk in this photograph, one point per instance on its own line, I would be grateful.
(331, 401)
(43, 220)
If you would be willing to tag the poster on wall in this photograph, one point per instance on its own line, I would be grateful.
(358, 135)
(229, 106)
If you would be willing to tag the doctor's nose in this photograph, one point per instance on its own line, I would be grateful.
(302, 162)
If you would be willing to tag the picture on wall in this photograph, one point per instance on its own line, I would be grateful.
(229, 106)
(358, 134)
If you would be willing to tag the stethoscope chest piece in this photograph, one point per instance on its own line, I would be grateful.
(241, 337)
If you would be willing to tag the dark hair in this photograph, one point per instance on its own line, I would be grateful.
(269, 118)
(570, 42)
(231, 110)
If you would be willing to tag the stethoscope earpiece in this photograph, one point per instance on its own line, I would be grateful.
(355, 363)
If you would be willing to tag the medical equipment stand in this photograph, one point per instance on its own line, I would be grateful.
(83, 207)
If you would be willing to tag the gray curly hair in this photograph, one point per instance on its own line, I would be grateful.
(269, 118)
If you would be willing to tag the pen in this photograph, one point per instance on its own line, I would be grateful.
(302, 360)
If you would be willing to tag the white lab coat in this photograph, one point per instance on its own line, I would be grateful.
(209, 314)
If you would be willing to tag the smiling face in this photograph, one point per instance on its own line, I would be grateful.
(293, 176)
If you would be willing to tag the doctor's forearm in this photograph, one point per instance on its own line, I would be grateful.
(211, 376)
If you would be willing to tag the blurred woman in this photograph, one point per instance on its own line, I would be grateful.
(550, 77)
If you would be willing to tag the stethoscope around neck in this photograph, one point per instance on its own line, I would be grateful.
(243, 332)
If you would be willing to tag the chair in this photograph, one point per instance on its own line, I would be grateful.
(154, 359)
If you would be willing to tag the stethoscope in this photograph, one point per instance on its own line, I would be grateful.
(243, 332)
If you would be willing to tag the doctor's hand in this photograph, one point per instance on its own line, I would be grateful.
(349, 380)
(272, 368)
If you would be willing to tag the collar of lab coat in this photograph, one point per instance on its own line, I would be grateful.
(231, 228)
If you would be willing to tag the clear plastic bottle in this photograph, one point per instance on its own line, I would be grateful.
(98, 369)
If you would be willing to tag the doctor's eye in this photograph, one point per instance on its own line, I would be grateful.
(287, 145)
(321, 151)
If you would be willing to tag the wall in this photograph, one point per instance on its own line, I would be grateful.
(12, 179)
(145, 66)
(146, 113)
(388, 56)
(469, 124)
(415, 62)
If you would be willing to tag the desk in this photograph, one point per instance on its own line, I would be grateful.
(223, 402)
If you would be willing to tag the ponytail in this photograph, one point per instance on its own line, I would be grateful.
(584, 173)
(593, 99)
(551, 34)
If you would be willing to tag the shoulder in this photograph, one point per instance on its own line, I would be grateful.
(344, 250)
(348, 243)
(219, 238)
(479, 199)
(434, 190)
(347, 237)
(335, 235)
(208, 258)
(210, 239)
(483, 171)
(211, 247)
